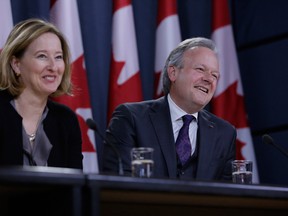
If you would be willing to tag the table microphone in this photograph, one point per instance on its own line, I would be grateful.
(92, 125)
(269, 140)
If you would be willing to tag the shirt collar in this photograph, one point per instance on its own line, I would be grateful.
(176, 112)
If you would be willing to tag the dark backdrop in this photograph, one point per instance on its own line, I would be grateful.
(261, 31)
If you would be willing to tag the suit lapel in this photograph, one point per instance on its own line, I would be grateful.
(206, 144)
(161, 121)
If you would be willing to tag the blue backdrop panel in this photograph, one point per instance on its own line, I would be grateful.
(261, 32)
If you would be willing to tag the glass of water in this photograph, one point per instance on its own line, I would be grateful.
(142, 162)
(242, 171)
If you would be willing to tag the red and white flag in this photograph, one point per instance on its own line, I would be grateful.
(64, 14)
(125, 81)
(228, 101)
(168, 36)
(6, 21)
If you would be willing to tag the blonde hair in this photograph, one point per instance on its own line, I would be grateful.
(21, 36)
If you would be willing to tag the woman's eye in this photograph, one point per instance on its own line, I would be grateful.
(59, 57)
(41, 56)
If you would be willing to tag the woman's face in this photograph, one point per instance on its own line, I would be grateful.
(41, 68)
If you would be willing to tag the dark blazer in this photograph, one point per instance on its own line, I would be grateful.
(60, 125)
(148, 124)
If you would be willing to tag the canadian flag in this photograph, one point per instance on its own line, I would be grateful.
(125, 81)
(168, 36)
(64, 14)
(228, 101)
(6, 21)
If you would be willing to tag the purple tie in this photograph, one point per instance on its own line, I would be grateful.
(183, 145)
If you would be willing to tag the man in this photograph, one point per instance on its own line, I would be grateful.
(190, 78)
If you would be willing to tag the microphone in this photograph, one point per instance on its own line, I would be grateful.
(269, 140)
(93, 126)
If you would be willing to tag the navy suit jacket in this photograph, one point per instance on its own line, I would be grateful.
(148, 124)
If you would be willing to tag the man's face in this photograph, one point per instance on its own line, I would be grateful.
(193, 85)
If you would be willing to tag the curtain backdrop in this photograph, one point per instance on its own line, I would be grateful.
(260, 33)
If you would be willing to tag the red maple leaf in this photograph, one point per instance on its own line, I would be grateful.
(230, 106)
(129, 91)
(80, 99)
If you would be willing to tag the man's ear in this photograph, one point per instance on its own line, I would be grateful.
(172, 73)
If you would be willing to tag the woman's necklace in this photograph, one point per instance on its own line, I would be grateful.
(31, 137)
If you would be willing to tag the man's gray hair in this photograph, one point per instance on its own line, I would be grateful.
(176, 57)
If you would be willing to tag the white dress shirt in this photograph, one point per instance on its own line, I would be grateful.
(176, 114)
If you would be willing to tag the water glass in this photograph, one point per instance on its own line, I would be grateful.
(242, 171)
(142, 162)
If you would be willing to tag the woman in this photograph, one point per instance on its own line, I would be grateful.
(34, 130)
